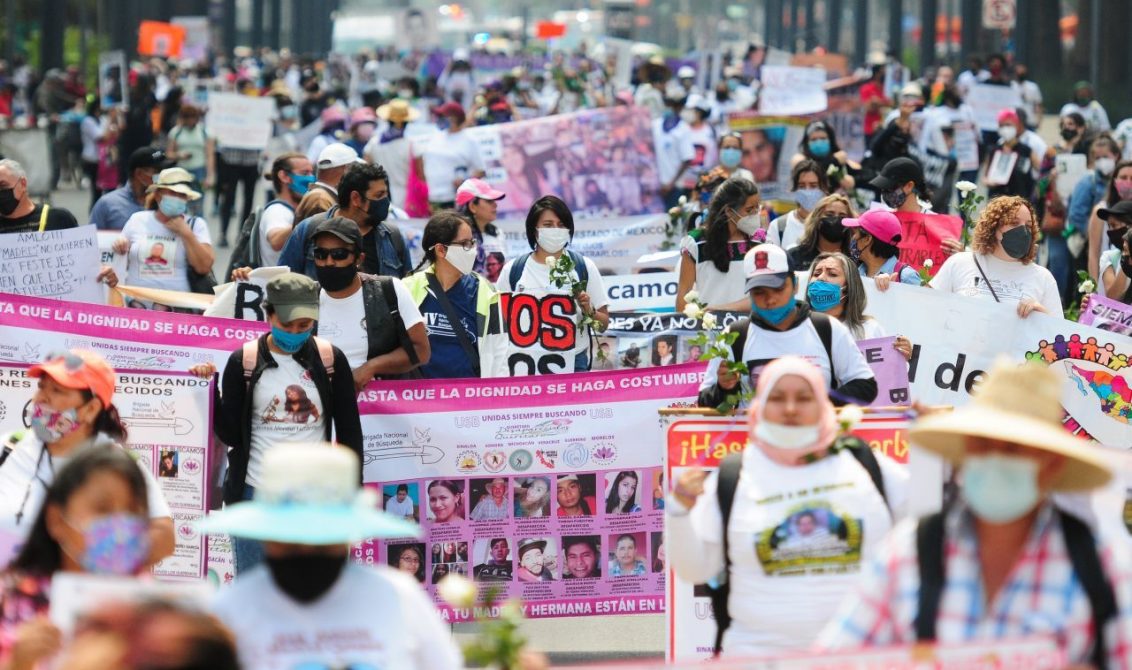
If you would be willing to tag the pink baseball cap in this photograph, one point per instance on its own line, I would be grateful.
(1007, 116)
(879, 223)
(476, 188)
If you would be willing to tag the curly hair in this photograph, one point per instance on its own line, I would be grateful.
(809, 239)
(999, 213)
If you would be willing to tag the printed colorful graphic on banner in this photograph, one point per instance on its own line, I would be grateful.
(169, 416)
(600, 161)
(768, 144)
(548, 486)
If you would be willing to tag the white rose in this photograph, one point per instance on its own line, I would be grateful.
(1086, 286)
(693, 311)
(928, 263)
(683, 200)
(850, 415)
(457, 590)
(692, 296)
(965, 187)
(710, 322)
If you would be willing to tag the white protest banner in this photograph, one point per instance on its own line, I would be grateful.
(956, 339)
(1071, 168)
(75, 595)
(169, 417)
(132, 339)
(240, 121)
(966, 145)
(644, 292)
(788, 90)
(987, 100)
(60, 264)
(109, 256)
(244, 300)
(559, 447)
(28, 146)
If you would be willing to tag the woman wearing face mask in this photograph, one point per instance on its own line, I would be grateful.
(810, 186)
(1000, 265)
(1115, 265)
(803, 495)
(92, 520)
(873, 243)
(550, 227)
(819, 144)
(362, 124)
(1101, 237)
(71, 411)
(164, 242)
(711, 256)
(1011, 146)
(448, 291)
(478, 202)
(823, 231)
(192, 147)
(1104, 153)
(731, 155)
(250, 412)
(836, 289)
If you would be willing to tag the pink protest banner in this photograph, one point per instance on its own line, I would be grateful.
(1107, 314)
(922, 237)
(529, 485)
(890, 369)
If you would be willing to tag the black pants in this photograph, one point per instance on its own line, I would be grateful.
(91, 171)
(228, 178)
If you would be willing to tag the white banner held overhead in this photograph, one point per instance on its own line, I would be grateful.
(240, 121)
(788, 90)
(55, 264)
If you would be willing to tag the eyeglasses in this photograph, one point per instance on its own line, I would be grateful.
(466, 245)
(339, 254)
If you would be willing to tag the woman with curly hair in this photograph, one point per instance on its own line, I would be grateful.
(711, 257)
(1000, 265)
(824, 232)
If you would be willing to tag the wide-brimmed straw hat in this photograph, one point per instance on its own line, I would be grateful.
(1021, 405)
(398, 111)
(177, 180)
(309, 494)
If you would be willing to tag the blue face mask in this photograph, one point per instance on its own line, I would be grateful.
(819, 148)
(823, 295)
(774, 316)
(289, 342)
(807, 198)
(730, 157)
(173, 207)
(301, 183)
(1000, 488)
(442, 124)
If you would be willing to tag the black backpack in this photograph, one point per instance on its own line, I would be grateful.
(385, 327)
(247, 252)
(1080, 545)
(521, 263)
(821, 324)
(729, 469)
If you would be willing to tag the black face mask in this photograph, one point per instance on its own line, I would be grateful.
(305, 578)
(378, 211)
(334, 278)
(1068, 134)
(8, 201)
(1016, 242)
(831, 230)
(894, 199)
(1116, 237)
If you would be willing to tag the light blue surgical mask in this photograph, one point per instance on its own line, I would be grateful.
(823, 295)
(820, 148)
(301, 183)
(173, 207)
(730, 157)
(807, 198)
(1000, 488)
(777, 315)
(289, 342)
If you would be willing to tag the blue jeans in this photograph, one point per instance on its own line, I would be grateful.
(249, 553)
(1060, 265)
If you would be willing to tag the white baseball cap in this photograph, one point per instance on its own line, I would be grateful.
(766, 265)
(685, 72)
(337, 155)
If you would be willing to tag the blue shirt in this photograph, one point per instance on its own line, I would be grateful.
(114, 208)
(1086, 194)
(299, 256)
(448, 359)
(908, 274)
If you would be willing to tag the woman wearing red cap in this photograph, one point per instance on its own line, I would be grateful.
(1014, 163)
(71, 410)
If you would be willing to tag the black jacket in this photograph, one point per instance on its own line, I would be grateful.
(233, 417)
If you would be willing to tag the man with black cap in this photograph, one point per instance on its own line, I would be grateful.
(113, 209)
(901, 186)
(18, 213)
(373, 319)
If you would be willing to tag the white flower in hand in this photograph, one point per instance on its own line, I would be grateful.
(849, 416)
(965, 187)
(457, 591)
(693, 311)
(928, 263)
(683, 200)
(833, 169)
(1087, 286)
(710, 321)
(692, 296)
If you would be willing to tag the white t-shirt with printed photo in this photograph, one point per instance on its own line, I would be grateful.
(157, 257)
(343, 321)
(1012, 281)
(286, 407)
(276, 216)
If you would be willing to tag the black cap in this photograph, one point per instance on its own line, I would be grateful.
(897, 172)
(148, 157)
(342, 228)
(1121, 210)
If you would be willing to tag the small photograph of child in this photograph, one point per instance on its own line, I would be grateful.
(169, 464)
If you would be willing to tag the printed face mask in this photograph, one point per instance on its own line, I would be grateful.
(51, 425)
(823, 295)
(117, 544)
(894, 199)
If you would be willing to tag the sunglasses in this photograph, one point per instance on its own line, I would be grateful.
(339, 254)
(70, 361)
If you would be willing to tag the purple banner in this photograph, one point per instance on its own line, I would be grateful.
(1107, 314)
(890, 369)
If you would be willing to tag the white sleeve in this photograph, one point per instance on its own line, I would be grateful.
(694, 540)
(848, 362)
(435, 648)
(410, 313)
(1050, 295)
(155, 498)
(275, 218)
(503, 284)
(474, 156)
(688, 246)
(595, 285)
(687, 149)
(943, 279)
(200, 230)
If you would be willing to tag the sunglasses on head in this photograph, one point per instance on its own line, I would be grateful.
(70, 361)
(339, 254)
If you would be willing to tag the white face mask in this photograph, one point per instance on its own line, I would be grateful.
(749, 224)
(689, 116)
(553, 240)
(781, 436)
(1007, 133)
(1105, 165)
(462, 259)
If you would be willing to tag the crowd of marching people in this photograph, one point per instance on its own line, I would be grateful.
(1012, 556)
